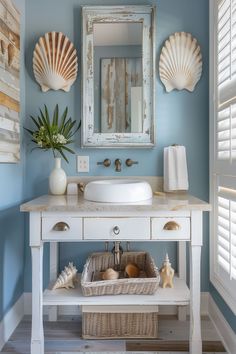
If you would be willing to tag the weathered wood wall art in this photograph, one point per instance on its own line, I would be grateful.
(118, 77)
(55, 62)
(9, 82)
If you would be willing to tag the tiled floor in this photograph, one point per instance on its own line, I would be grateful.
(64, 336)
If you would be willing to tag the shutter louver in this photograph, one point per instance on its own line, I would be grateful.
(226, 231)
(226, 122)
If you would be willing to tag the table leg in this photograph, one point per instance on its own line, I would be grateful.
(54, 256)
(195, 344)
(182, 310)
(37, 335)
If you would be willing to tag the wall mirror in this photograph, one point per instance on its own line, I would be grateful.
(118, 105)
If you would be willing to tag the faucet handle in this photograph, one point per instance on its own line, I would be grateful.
(105, 163)
(130, 162)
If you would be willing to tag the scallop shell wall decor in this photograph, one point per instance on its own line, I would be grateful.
(67, 278)
(180, 65)
(55, 62)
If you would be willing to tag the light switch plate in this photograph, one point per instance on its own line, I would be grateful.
(82, 163)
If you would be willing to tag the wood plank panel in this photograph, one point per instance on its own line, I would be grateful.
(6, 135)
(8, 33)
(9, 157)
(9, 82)
(10, 78)
(9, 147)
(180, 346)
(133, 79)
(9, 102)
(9, 113)
(108, 106)
(120, 94)
(11, 9)
(118, 76)
(8, 124)
(10, 22)
(10, 91)
(13, 70)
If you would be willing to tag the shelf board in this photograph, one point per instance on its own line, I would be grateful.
(179, 295)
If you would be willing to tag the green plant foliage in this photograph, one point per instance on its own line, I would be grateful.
(53, 133)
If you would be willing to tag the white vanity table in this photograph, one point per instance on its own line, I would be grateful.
(89, 221)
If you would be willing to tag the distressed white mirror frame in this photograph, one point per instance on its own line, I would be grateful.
(119, 14)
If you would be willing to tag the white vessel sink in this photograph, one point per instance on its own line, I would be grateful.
(118, 191)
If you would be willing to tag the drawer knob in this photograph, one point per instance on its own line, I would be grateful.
(171, 226)
(116, 230)
(61, 226)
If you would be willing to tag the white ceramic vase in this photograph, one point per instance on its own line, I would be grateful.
(57, 179)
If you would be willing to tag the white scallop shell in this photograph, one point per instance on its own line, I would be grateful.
(110, 274)
(55, 62)
(67, 278)
(180, 63)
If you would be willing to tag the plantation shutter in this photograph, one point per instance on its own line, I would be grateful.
(226, 81)
(223, 154)
(226, 229)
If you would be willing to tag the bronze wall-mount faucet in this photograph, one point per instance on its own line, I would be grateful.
(118, 165)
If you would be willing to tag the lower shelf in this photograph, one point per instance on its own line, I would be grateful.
(179, 295)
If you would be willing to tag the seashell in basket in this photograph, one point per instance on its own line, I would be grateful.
(132, 270)
(110, 274)
(55, 62)
(67, 278)
(97, 262)
(180, 63)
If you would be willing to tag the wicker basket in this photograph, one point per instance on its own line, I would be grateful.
(109, 325)
(99, 262)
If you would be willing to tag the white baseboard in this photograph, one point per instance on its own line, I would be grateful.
(75, 310)
(224, 330)
(11, 321)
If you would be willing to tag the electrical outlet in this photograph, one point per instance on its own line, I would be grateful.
(82, 163)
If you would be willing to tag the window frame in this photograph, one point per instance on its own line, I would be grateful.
(214, 170)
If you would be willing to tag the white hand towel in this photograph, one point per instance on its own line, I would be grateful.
(175, 169)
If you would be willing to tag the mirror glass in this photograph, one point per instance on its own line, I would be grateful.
(118, 79)
(119, 76)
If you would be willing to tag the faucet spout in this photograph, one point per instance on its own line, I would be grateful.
(117, 251)
(118, 165)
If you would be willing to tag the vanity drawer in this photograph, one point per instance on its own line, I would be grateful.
(117, 229)
(171, 229)
(62, 228)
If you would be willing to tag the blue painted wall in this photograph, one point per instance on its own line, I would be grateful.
(11, 221)
(181, 117)
(224, 308)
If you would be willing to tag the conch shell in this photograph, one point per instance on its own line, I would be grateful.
(55, 62)
(67, 278)
(132, 270)
(167, 273)
(110, 274)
